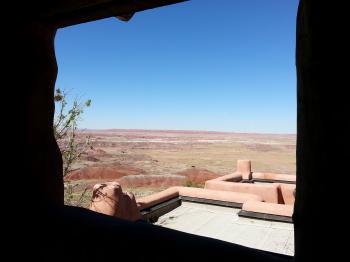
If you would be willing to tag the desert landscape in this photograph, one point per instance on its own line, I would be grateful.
(148, 161)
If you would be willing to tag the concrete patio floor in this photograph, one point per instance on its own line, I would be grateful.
(223, 223)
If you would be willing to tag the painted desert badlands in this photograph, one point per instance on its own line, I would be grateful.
(146, 161)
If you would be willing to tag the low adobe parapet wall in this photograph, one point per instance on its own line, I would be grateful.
(287, 193)
(278, 188)
(109, 199)
(273, 177)
(234, 190)
(153, 206)
(268, 192)
(234, 177)
(199, 193)
(278, 193)
(252, 205)
(156, 198)
(268, 208)
(244, 168)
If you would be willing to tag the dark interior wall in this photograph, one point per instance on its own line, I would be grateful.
(43, 175)
(322, 132)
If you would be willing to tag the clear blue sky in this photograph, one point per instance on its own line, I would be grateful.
(220, 65)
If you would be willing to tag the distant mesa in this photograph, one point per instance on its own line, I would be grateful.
(261, 147)
(95, 152)
(105, 172)
(198, 175)
(152, 181)
(93, 155)
(91, 159)
(100, 152)
(129, 176)
(194, 175)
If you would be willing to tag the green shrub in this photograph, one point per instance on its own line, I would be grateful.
(190, 183)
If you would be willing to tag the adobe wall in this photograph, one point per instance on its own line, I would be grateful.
(234, 177)
(287, 193)
(273, 176)
(172, 192)
(268, 192)
(244, 168)
(268, 208)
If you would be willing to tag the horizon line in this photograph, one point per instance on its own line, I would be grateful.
(182, 130)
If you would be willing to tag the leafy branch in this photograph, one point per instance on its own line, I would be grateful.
(71, 143)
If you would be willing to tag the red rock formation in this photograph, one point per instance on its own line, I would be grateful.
(103, 173)
(109, 199)
(198, 175)
(152, 181)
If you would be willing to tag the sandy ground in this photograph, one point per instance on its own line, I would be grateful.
(169, 152)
